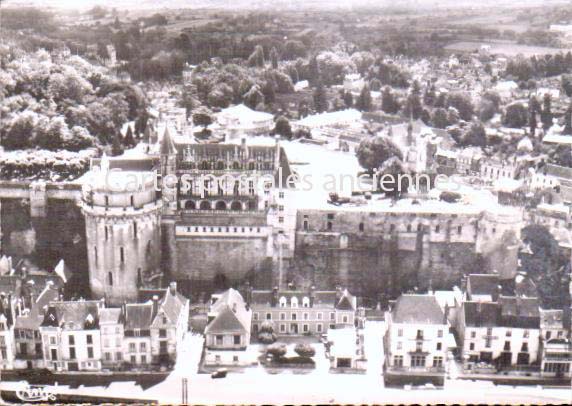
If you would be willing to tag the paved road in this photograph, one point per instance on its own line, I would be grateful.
(319, 386)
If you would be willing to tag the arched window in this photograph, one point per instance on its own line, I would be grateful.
(283, 301)
(251, 166)
(220, 165)
(190, 205)
(305, 301)
(236, 165)
(251, 205)
(220, 205)
(236, 206)
(205, 205)
(294, 301)
(204, 165)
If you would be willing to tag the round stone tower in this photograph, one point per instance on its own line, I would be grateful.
(123, 228)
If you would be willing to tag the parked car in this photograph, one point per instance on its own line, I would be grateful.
(219, 373)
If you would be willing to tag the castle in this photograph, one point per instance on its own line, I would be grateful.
(233, 218)
(198, 212)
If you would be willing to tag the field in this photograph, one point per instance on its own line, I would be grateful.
(504, 48)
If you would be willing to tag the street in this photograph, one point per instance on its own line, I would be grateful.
(255, 385)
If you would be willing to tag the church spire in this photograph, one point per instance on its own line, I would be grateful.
(167, 145)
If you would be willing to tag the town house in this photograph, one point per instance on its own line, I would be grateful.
(555, 345)
(169, 325)
(111, 327)
(298, 312)
(228, 330)
(505, 333)
(28, 340)
(71, 336)
(416, 339)
(7, 346)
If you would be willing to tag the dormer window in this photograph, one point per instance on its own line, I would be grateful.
(306, 301)
(294, 302)
(282, 301)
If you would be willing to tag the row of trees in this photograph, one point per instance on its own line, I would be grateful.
(524, 69)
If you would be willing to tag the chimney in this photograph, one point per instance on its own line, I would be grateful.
(277, 152)
(173, 288)
(243, 145)
(339, 294)
(248, 294)
(497, 293)
(124, 311)
(312, 295)
(31, 299)
(274, 300)
(155, 304)
(19, 306)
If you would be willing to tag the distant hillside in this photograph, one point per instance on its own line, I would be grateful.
(275, 4)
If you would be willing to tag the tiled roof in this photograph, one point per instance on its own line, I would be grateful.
(417, 309)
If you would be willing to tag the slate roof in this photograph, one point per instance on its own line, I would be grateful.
(35, 317)
(417, 309)
(346, 302)
(321, 298)
(173, 304)
(72, 315)
(482, 284)
(481, 314)
(129, 164)
(10, 284)
(138, 316)
(110, 316)
(6, 310)
(230, 314)
(225, 321)
(558, 171)
(553, 318)
(167, 146)
(515, 312)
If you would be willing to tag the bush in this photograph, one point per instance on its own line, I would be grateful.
(450, 197)
(305, 350)
(266, 337)
(295, 360)
(276, 350)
